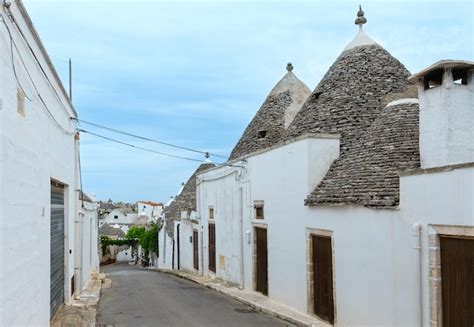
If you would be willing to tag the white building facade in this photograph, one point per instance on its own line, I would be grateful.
(39, 181)
(349, 223)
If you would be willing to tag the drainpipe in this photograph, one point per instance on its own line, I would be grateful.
(417, 245)
(241, 232)
(202, 251)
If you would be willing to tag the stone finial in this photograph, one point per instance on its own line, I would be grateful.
(360, 20)
(289, 67)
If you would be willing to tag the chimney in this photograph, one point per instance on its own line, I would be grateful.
(445, 93)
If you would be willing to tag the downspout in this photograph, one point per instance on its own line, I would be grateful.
(81, 256)
(417, 245)
(241, 232)
(202, 251)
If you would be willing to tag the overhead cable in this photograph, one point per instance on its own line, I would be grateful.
(207, 154)
(13, 60)
(25, 40)
(138, 147)
(13, 44)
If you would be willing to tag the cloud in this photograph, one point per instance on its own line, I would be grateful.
(195, 72)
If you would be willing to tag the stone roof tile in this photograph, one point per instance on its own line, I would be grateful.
(367, 174)
(274, 116)
(351, 94)
(185, 201)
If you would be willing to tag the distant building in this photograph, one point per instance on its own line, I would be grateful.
(122, 218)
(152, 210)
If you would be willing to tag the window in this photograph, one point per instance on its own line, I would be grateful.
(317, 95)
(261, 134)
(460, 76)
(211, 213)
(433, 79)
(20, 107)
(258, 206)
(115, 217)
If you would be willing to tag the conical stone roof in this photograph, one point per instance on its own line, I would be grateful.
(185, 201)
(274, 116)
(367, 174)
(352, 93)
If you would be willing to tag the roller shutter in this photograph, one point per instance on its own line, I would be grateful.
(57, 248)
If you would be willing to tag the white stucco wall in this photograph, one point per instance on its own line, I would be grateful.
(446, 120)
(376, 256)
(33, 150)
(186, 244)
(282, 186)
(87, 250)
(165, 245)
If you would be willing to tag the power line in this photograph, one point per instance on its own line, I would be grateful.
(13, 43)
(138, 147)
(13, 20)
(207, 154)
(13, 61)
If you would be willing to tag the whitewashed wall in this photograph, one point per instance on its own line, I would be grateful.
(446, 123)
(165, 249)
(376, 256)
(186, 244)
(88, 243)
(283, 185)
(436, 198)
(33, 150)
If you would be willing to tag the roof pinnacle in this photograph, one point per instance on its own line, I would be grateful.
(289, 67)
(360, 20)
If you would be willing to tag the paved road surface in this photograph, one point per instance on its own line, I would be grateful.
(149, 298)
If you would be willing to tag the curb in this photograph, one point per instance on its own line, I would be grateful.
(255, 306)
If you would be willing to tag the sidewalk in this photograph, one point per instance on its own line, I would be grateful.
(83, 311)
(255, 300)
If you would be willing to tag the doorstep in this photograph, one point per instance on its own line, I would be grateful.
(255, 300)
(82, 312)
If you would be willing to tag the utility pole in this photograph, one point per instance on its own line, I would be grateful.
(70, 79)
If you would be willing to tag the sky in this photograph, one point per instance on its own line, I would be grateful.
(194, 73)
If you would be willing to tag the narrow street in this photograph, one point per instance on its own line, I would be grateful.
(141, 297)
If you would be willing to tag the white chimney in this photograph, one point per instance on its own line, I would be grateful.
(445, 95)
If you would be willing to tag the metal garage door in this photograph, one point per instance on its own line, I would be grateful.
(57, 247)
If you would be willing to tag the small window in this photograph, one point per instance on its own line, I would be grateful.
(144, 207)
(261, 134)
(211, 213)
(115, 217)
(433, 79)
(460, 76)
(317, 95)
(20, 108)
(259, 211)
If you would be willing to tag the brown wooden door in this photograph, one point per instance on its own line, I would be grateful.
(195, 250)
(322, 277)
(261, 260)
(457, 281)
(212, 247)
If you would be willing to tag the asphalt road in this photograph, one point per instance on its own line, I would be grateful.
(149, 298)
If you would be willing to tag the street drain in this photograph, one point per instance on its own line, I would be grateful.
(245, 310)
